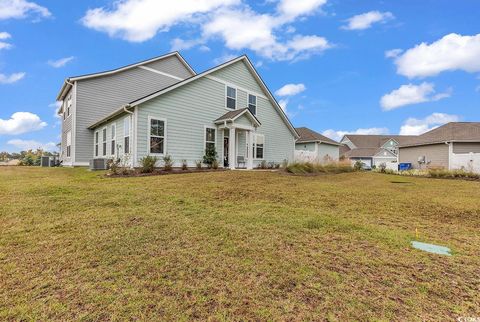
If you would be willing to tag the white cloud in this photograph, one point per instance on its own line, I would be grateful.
(413, 126)
(283, 104)
(60, 62)
(411, 94)
(366, 20)
(4, 36)
(24, 145)
(12, 78)
(290, 90)
(290, 9)
(337, 135)
(5, 45)
(452, 52)
(140, 20)
(21, 122)
(56, 106)
(224, 58)
(237, 24)
(259, 35)
(18, 9)
(393, 53)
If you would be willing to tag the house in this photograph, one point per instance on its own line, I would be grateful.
(315, 147)
(452, 146)
(372, 150)
(163, 107)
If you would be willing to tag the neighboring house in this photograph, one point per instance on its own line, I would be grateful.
(372, 150)
(162, 107)
(454, 145)
(314, 147)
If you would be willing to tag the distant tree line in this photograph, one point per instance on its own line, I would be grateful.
(26, 158)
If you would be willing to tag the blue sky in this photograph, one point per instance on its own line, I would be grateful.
(336, 66)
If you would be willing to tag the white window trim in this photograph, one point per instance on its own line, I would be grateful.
(236, 97)
(68, 144)
(205, 137)
(104, 153)
(255, 146)
(95, 144)
(150, 118)
(256, 102)
(69, 106)
(129, 118)
(113, 138)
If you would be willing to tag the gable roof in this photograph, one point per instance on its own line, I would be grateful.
(67, 83)
(203, 74)
(450, 132)
(376, 141)
(233, 115)
(307, 135)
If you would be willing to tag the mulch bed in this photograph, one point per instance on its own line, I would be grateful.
(158, 172)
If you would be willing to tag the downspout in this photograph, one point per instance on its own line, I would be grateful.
(132, 125)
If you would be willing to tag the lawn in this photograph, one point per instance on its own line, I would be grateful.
(235, 246)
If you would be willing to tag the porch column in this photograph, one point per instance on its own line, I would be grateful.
(231, 149)
(250, 150)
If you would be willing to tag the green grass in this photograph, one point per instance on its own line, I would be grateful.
(235, 246)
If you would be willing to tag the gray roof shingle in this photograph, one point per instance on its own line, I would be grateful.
(307, 135)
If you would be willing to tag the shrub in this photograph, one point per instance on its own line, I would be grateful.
(147, 164)
(167, 162)
(263, 165)
(284, 164)
(358, 165)
(184, 164)
(210, 155)
(215, 164)
(309, 167)
(198, 164)
(114, 165)
(382, 167)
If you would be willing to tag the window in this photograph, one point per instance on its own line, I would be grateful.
(69, 143)
(209, 137)
(69, 104)
(114, 137)
(96, 144)
(258, 146)
(104, 142)
(126, 135)
(231, 98)
(157, 136)
(252, 104)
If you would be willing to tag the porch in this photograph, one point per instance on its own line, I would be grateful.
(238, 128)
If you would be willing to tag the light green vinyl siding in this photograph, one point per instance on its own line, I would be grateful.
(187, 110)
(191, 107)
(244, 120)
(239, 75)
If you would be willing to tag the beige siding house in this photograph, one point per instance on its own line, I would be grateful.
(454, 145)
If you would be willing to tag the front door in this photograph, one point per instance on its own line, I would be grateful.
(225, 152)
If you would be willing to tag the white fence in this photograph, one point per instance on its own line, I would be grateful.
(467, 161)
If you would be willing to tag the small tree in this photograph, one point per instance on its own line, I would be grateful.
(210, 155)
(167, 163)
